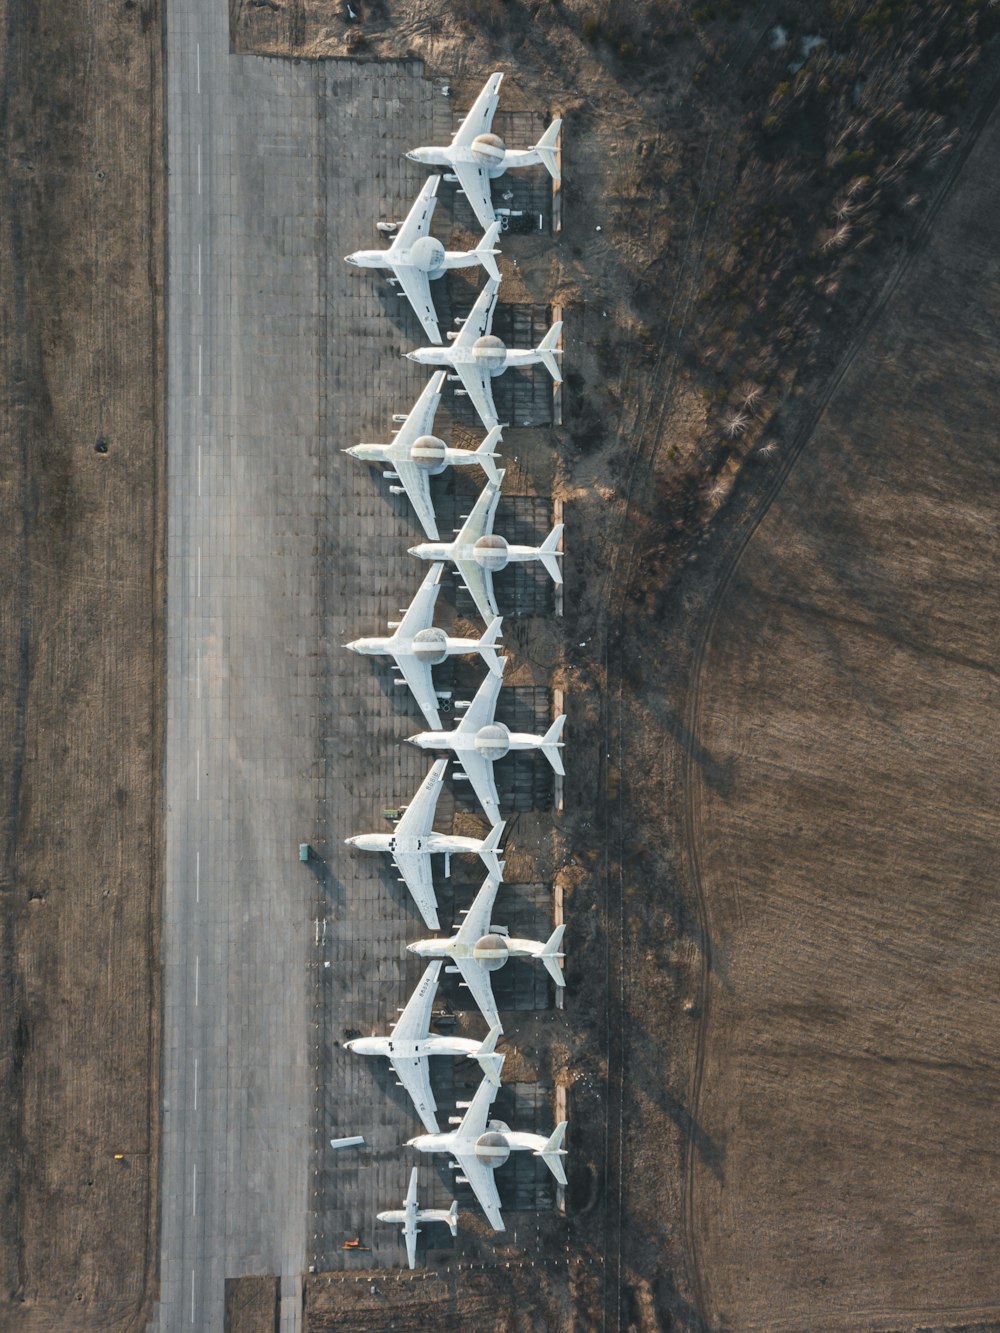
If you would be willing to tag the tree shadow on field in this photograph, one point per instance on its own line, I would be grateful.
(711, 1153)
(719, 775)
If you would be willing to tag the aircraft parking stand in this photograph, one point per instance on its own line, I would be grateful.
(280, 548)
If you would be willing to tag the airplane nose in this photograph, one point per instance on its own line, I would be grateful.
(350, 842)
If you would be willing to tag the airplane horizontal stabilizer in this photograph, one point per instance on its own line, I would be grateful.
(550, 956)
(551, 744)
(488, 851)
(548, 351)
(453, 1217)
(487, 648)
(547, 151)
(549, 552)
(553, 1152)
(486, 252)
(486, 453)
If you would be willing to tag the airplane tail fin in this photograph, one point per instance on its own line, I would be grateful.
(488, 851)
(548, 351)
(549, 552)
(553, 1152)
(453, 1217)
(487, 646)
(486, 453)
(486, 252)
(547, 151)
(489, 1061)
(551, 744)
(550, 956)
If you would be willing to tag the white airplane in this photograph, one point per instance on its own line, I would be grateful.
(478, 742)
(478, 552)
(417, 645)
(416, 455)
(477, 357)
(417, 259)
(479, 1148)
(411, 1044)
(479, 948)
(414, 842)
(475, 155)
(410, 1214)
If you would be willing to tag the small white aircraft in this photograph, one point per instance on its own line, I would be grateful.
(411, 1044)
(478, 742)
(417, 259)
(479, 1148)
(479, 948)
(475, 155)
(477, 357)
(478, 552)
(410, 1214)
(417, 645)
(416, 455)
(414, 842)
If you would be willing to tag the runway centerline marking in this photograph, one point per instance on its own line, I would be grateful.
(197, 679)
(197, 969)
(199, 268)
(197, 775)
(194, 1190)
(197, 67)
(197, 881)
(199, 370)
(192, 1295)
(199, 474)
(199, 168)
(199, 548)
(196, 1083)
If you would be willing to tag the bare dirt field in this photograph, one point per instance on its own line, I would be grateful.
(80, 698)
(844, 830)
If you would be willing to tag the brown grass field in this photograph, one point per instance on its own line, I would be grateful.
(844, 837)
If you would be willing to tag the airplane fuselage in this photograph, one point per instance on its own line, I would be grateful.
(493, 360)
(464, 742)
(450, 157)
(413, 1050)
(393, 647)
(456, 551)
(434, 844)
(461, 1146)
(516, 948)
(391, 454)
(386, 259)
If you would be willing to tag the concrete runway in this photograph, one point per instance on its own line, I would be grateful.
(280, 548)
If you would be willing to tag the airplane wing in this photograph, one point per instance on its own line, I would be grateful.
(484, 1187)
(480, 588)
(418, 817)
(420, 613)
(476, 922)
(417, 289)
(480, 987)
(420, 418)
(479, 771)
(480, 712)
(480, 520)
(478, 385)
(414, 1022)
(418, 220)
(474, 182)
(417, 485)
(480, 319)
(418, 676)
(479, 118)
(415, 869)
(412, 1072)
